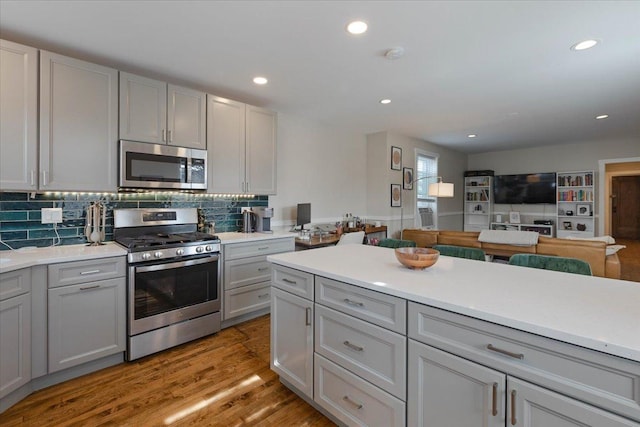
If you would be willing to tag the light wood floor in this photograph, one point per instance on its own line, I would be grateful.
(221, 380)
(629, 259)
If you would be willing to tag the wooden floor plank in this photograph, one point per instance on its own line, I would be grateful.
(220, 380)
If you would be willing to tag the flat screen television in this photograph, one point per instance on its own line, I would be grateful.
(529, 188)
(303, 215)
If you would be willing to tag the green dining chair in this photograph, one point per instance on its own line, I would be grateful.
(461, 252)
(397, 243)
(556, 263)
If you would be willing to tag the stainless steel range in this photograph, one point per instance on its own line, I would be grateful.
(173, 280)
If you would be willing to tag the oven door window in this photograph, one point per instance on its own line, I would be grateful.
(168, 287)
(156, 168)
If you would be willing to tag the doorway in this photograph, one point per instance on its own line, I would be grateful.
(625, 207)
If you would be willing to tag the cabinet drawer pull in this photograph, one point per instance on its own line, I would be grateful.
(82, 273)
(263, 269)
(505, 352)
(86, 288)
(263, 248)
(494, 408)
(263, 295)
(353, 346)
(513, 408)
(351, 401)
(354, 303)
(308, 316)
(293, 282)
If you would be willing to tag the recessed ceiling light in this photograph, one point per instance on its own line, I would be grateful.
(357, 27)
(585, 44)
(385, 101)
(260, 80)
(602, 116)
(471, 135)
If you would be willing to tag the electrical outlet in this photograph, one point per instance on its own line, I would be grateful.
(51, 215)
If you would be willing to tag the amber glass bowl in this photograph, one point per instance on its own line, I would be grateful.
(417, 258)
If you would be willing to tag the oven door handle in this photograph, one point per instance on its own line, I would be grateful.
(185, 263)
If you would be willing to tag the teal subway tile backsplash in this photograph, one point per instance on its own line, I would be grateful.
(20, 214)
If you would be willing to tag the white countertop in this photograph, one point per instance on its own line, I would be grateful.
(22, 258)
(593, 312)
(237, 237)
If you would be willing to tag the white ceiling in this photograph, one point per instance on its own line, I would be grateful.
(500, 69)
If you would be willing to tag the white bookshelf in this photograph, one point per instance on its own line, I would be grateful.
(542, 229)
(477, 202)
(575, 197)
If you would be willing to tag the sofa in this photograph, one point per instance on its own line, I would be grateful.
(593, 252)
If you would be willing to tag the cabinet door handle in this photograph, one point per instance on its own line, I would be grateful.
(353, 346)
(44, 178)
(308, 316)
(164, 135)
(505, 352)
(494, 408)
(351, 401)
(247, 186)
(86, 288)
(263, 269)
(354, 303)
(83, 273)
(263, 296)
(293, 282)
(170, 136)
(33, 177)
(513, 408)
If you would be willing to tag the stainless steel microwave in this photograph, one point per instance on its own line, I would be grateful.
(156, 166)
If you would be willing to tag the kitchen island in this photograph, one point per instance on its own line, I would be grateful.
(528, 338)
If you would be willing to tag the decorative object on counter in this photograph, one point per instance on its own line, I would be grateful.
(417, 258)
(514, 217)
(396, 158)
(396, 196)
(95, 225)
(407, 178)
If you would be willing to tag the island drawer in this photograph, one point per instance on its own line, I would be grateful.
(383, 310)
(352, 400)
(246, 299)
(246, 271)
(376, 354)
(295, 281)
(606, 381)
(71, 273)
(257, 248)
(14, 283)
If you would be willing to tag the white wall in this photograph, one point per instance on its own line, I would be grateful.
(319, 165)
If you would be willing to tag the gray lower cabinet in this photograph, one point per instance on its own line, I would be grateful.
(87, 319)
(15, 330)
(247, 277)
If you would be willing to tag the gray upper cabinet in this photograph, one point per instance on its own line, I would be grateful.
(241, 141)
(78, 125)
(19, 117)
(156, 112)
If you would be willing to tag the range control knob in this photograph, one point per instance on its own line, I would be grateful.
(208, 248)
(157, 254)
(179, 252)
(146, 256)
(199, 249)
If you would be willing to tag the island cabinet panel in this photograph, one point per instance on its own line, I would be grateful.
(445, 390)
(605, 381)
(292, 339)
(352, 400)
(375, 307)
(373, 353)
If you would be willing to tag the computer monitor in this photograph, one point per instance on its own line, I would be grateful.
(304, 214)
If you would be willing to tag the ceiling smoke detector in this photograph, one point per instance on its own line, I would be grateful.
(395, 53)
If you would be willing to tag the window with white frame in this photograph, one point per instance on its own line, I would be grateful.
(426, 206)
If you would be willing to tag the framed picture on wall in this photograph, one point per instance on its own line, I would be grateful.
(396, 195)
(514, 217)
(407, 178)
(396, 158)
